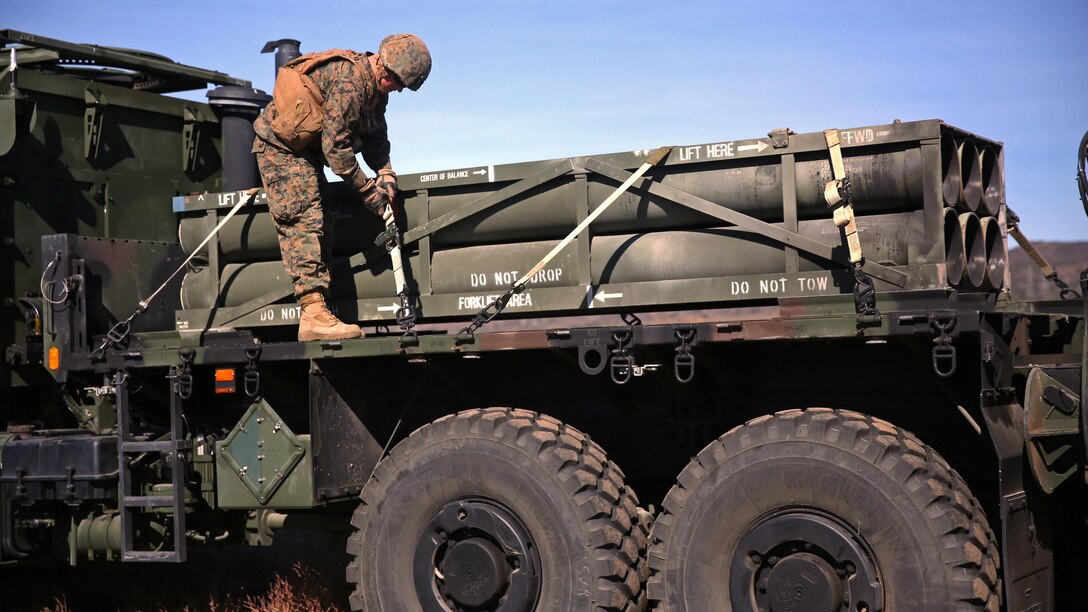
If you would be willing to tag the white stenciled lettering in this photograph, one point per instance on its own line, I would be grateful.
(774, 285)
(547, 275)
(689, 153)
(268, 315)
(812, 284)
(739, 288)
(290, 312)
(506, 278)
(427, 178)
(721, 149)
(456, 174)
(478, 302)
(855, 137)
(470, 302)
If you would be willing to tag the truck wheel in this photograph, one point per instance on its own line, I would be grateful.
(498, 510)
(821, 510)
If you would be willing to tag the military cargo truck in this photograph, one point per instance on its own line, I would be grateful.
(799, 349)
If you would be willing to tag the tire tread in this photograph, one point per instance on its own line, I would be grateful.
(968, 543)
(607, 507)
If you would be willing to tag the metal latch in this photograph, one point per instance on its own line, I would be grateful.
(780, 137)
(103, 391)
(639, 370)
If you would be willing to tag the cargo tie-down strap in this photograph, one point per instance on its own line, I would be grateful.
(391, 239)
(492, 310)
(837, 194)
(1049, 273)
(120, 331)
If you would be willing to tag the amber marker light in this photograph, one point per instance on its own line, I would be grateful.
(54, 358)
(224, 381)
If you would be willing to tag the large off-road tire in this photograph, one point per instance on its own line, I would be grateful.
(821, 510)
(497, 509)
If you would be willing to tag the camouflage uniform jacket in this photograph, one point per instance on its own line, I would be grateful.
(354, 118)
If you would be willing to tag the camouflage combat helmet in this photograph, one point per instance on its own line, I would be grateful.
(406, 56)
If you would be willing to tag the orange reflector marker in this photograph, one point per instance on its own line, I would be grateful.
(54, 358)
(224, 381)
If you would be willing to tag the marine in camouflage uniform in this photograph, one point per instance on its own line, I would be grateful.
(355, 95)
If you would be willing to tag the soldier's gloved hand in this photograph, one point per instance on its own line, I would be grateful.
(387, 182)
(373, 198)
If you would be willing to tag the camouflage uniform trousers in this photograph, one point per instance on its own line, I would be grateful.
(295, 184)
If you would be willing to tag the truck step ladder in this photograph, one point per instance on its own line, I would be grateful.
(132, 502)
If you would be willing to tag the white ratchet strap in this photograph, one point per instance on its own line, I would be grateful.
(394, 251)
(492, 310)
(653, 160)
(834, 194)
(246, 197)
(121, 330)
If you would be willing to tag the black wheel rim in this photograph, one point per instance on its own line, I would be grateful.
(804, 560)
(475, 555)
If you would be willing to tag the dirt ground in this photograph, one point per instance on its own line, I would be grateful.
(302, 571)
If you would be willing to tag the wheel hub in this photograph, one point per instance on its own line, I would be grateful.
(804, 561)
(475, 556)
(804, 581)
(476, 572)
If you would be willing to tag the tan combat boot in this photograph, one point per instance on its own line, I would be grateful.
(317, 323)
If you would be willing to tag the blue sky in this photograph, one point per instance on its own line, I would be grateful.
(518, 80)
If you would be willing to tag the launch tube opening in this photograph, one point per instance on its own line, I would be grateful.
(970, 176)
(953, 247)
(992, 189)
(997, 254)
(974, 248)
(950, 170)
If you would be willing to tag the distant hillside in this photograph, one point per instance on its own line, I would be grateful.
(1068, 258)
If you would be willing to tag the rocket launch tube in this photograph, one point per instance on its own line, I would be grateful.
(241, 282)
(974, 246)
(906, 179)
(992, 192)
(997, 253)
(625, 258)
(953, 247)
(951, 183)
(970, 176)
(882, 183)
(886, 181)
